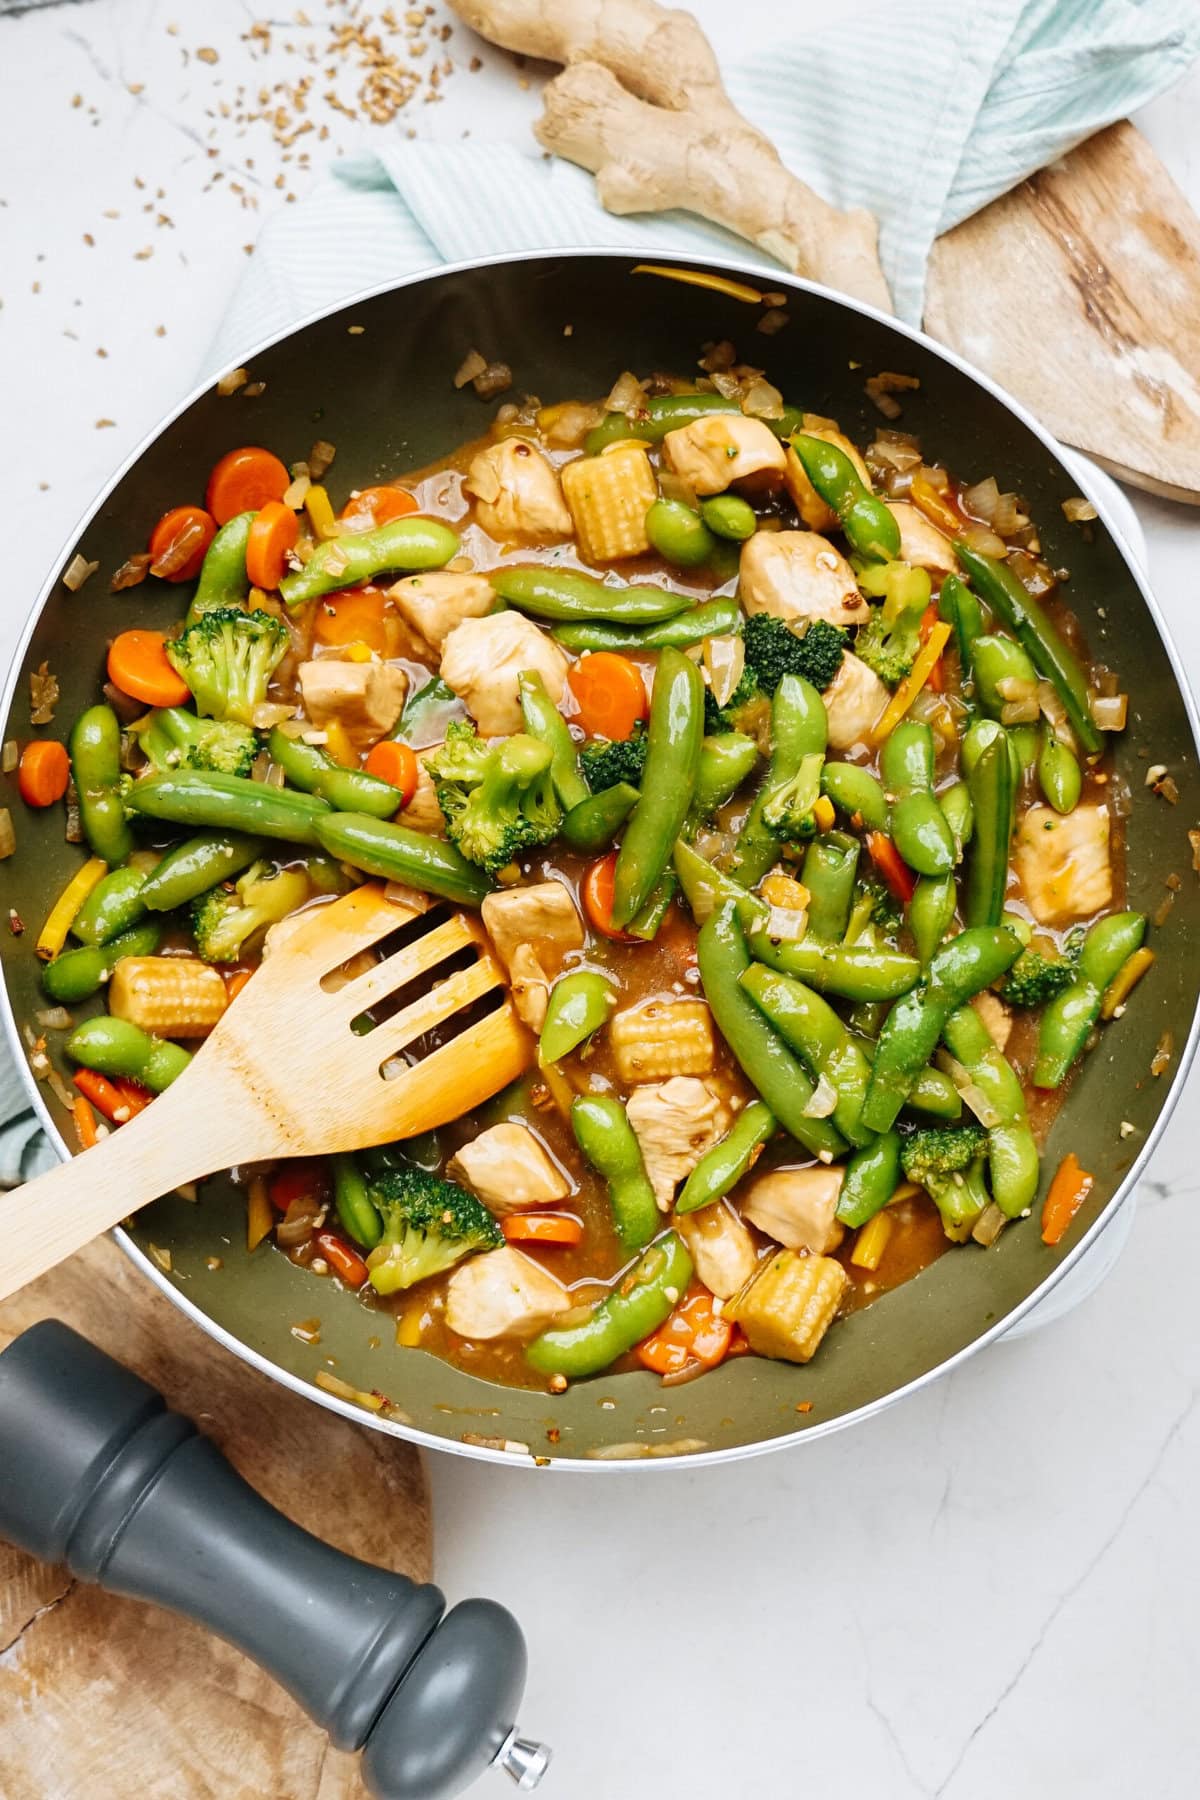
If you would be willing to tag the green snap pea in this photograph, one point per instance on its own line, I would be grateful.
(95, 747)
(228, 803)
(955, 802)
(993, 797)
(729, 516)
(998, 584)
(969, 962)
(931, 913)
(562, 595)
(1059, 775)
(799, 728)
(346, 790)
(426, 715)
(604, 1134)
(357, 1211)
(115, 1047)
(934, 1093)
(1026, 741)
(1066, 1022)
(78, 974)
(706, 888)
(670, 412)
(191, 868)
(1020, 927)
(544, 722)
(830, 869)
(999, 660)
(722, 1167)
(396, 853)
(595, 822)
(960, 608)
(668, 782)
(1012, 1152)
(223, 580)
(349, 561)
(578, 1006)
(854, 789)
(809, 1025)
(713, 618)
(854, 972)
(647, 922)
(114, 904)
(869, 525)
(919, 827)
(642, 1302)
(980, 735)
(871, 1178)
(726, 760)
(679, 534)
(770, 1067)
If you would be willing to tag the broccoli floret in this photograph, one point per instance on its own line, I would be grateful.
(227, 658)
(948, 1162)
(788, 814)
(1034, 979)
(226, 918)
(174, 739)
(429, 1224)
(889, 640)
(608, 761)
(774, 650)
(497, 799)
(746, 698)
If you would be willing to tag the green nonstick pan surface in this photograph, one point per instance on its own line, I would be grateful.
(384, 396)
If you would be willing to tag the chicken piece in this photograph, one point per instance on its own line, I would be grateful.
(797, 1207)
(854, 700)
(805, 498)
(365, 698)
(503, 1293)
(434, 603)
(531, 929)
(718, 449)
(423, 812)
(798, 575)
(1062, 863)
(675, 1122)
(720, 1247)
(517, 493)
(509, 1169)
(921, 543)
(996, 1017)
(483, 658)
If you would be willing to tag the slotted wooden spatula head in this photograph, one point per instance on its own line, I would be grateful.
(297, 1068)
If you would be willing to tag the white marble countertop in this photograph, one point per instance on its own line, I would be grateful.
(991, 1589)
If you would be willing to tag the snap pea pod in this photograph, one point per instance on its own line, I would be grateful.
(934, 1093)
(997, 583)
(993, 797)
(799, 728)
(770, 1067)
(959, 607)
(668, 782)
(191, 868)
(78, 974)
(919, 827)
(679, 534)
(955, 802)
(722, 1167)
(1059, 775)
(729, 516)
(95, 747)
(357, 1211)
(578, 1006)
(870, 528)
(116, 1047)
(396, 853)
(969, 962)
(346, 790)
(596, 821)
(223, 580)
(426, 715)
(809, 1025)
(830, 869)
(854, 972)
(980, 735)
(713, 618)
(854, 790)
(349, 561)
(1025, 740)
(642, 1302)
(669, 412)
(604, 1134)
(999, 660)
(648, 921)
(1012, 1152)
(544, 722)
(1065, 1023)
(564, 596)
(705, 888)
(871, 1178)
(931, 913)
(113, 906)
(228, 802)
(726, 760)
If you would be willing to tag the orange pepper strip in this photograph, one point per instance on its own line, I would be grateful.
(929, 618)
(937, 509)
(912, 684)
(901, 883)
(694, 1333)
(85, 1123)
(1067, 1193)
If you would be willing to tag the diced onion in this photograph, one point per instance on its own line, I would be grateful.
(320, 458)
(77, 572)
(761, 400)
(1019, 712)
(788, 923)
(982, 539)
(897, 450)
(231, 382)
(724, 661)
(972, 1096)
(8, 837)
(986, 502)
(1077, 509)
(333, 1384)
(626, 395)
(989, 1225)
(1110, 711)
(11, 756)
(269, 713)
(824, 1099)
(677, 487)
(1052, 709)
(298, 487)
(54, 1018)
(472, 364)
(726, 384)
(132, 572)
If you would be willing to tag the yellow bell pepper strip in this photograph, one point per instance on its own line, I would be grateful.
(938, 511)
(319, 508)
(1124, 982)
(63, 913)
(912, 684)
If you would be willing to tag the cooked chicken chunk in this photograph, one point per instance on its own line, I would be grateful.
(854, 700)
(517, 492)
(364, 697)
(715, 451)
(797, 1207)
(423, 812)
(503, 1293)
(434, 603)
(720, 1247)
(995, 1016)
(482, 659)
(1062, 863)
(798, 575)
(509, 1169)
(921, 543)
(531, 929)
(808, 503)
(675, 1122)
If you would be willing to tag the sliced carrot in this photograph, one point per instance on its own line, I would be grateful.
(396, 764)
(380, 504)
(355, 616)
(342, 1259)
(85, 1123)
(117, 1100)
(694, 1333)
(541, 1228)
(609, 692)
(179, 541)
(901, 883)
(1066, 1194)
(235, 981)
(929, 619)
(43, 773)
(301, 1179)
(597, 896)
(272, 534)
(243, 481)
(138, 665)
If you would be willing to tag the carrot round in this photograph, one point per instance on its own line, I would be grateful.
(273, 533)
(179, 542)
(357, 615)
(397, 765)
(609, 692)
(342, 1259)
(379, 505)
(44, 772)
(243, 481)
(1066, 1194)
(137, 664)
(541, 1228)
(694, 1333)
(597, 896)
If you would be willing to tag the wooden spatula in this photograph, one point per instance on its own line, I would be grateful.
(284, 1074)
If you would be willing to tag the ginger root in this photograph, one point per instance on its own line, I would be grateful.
(640, 102)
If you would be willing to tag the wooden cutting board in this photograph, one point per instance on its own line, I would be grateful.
(107, 1699)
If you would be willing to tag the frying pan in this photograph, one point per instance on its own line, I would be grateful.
(382, 392)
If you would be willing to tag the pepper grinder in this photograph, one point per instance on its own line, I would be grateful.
(97, 1473)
